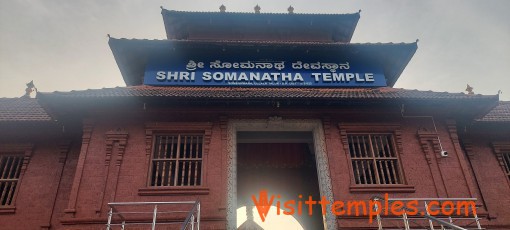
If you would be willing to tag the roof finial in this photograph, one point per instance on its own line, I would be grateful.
(30, 88)
(223, 8)
(469, 89)
(108, 35)
(257, 9)
(290, 9)
(359, 11)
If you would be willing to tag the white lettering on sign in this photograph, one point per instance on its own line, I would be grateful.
(343, 77)
(175, 76)
(263, 77)
(279, 65)
(256, 77)
(264, 72)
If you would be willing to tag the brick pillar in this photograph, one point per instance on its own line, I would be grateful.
(88, 126)
(116, 141)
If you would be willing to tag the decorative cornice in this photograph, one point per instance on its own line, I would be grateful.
(500, 146)
(88, 126)
(468, 147)
(120, 137)
(452, 130)
(175, 126)
(207, 140)
(326, 124)
(345, 141)
(25, 148)
(428, 139)
(274, 121)
(224, 127)
(63, 149)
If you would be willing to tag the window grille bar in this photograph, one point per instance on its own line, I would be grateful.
(364, 178)
(177, 155)
(177, 160)
(10, 172)
(10, 195)
(380, 146)
(506, 161)
(395, 171)
(358, 180)
(173, 148)
(359, 147)
(374, 162)
(8, 167)
(189, 172)
(3, 164)
(156, 166)
(391, 179)
(196, 172)
(371, 169)
(374, 159)
(4, 186)
(381, 173)
(164, 168)
(168, 160)
(18, 169)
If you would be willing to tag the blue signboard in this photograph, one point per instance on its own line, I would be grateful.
(262, 74)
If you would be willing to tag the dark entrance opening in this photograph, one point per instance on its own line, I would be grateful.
(283, 164)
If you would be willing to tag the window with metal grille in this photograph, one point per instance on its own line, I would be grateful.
(506, 162)
(177, 160)
(10, 169)
(374, 159)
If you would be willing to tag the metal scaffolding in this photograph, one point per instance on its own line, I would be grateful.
(153, 214)
(427, 214)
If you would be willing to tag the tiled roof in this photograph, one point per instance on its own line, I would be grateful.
(22, 109)
(191, 25)
(500, 113)
(264, 93)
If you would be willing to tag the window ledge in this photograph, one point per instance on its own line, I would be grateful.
(7, 210)
(383, 188)
(165, 191)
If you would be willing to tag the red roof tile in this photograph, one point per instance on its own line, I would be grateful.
(500, 113)
(22, 109)
(263, 93)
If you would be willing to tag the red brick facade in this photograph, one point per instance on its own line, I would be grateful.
(67, 185)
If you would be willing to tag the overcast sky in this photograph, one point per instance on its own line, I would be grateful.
(62, 45)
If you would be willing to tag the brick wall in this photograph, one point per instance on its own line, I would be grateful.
(110, 163)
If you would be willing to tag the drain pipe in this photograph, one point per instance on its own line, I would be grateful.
(444, 153)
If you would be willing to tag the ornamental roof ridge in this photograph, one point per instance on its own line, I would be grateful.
(264, 42)
(273, 92)
(250, 12)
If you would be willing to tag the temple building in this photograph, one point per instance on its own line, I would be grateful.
(235, 106)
